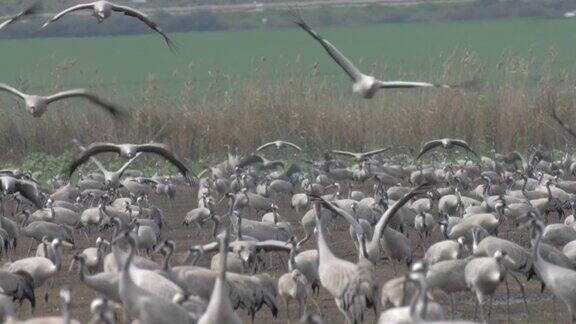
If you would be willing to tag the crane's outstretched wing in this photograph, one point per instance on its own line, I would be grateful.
(261, 147)
(281, 143)
(162, 150)
(145, 19)
(61, 14)
(346, 153)
(291, 145)
(28, 11)
(252, 159)
(87, 153)
(111, 108)
(378, 151)
(463, 144)
(409, 84)
(336, 55)
(429, 146)
(12, 90)
(273, 246)
(30, 192)
(562, 123)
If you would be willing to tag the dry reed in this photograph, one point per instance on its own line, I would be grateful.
(318, 112)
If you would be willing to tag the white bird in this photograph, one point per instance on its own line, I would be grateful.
(364, 85)
(37, 105)
(103, 9)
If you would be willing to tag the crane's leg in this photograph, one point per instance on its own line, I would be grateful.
(507, 300)
(30, 248)
(86, 232)
(490, 307)
(286, 302)
(481, 304)
(452, 306)
(523, 293)
(554, 307)
(340, 305)
(476, 309)
(46, 290)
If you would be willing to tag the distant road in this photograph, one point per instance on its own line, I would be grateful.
(256, 6)
(300, 4)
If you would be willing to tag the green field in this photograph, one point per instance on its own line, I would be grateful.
(124, 64)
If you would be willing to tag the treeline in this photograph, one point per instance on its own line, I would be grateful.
(75, 25)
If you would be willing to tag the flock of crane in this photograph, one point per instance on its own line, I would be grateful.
(467, 215)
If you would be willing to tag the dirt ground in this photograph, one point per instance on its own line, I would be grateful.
(541, 306)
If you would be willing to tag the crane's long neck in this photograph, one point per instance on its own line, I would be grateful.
(219, 301)
(486, 191)
(239, 227)
(536, 248)
(549, 191)
(474, 241)
(45, 250)
(223, 261)
(500, 212)
(196, 258)
(422, 298)
(231, 215)
(57, 257)
(82, 270)
(434, 207)
(215, 228)
(415, 300)
(525, 184)
(66, 311)
(52, 212)
(167, 258)
(118, 254)
(99, 247)
(324, 252)
(126, 266)
(292, 257)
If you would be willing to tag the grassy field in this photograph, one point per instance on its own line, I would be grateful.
(417, 50)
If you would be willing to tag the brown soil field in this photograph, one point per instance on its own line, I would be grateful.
(541, 306)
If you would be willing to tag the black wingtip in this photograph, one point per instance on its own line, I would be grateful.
(473, 84)
(296, 15)
(172, 45)
(35, 8)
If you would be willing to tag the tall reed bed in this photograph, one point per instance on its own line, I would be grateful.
(509, 107)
